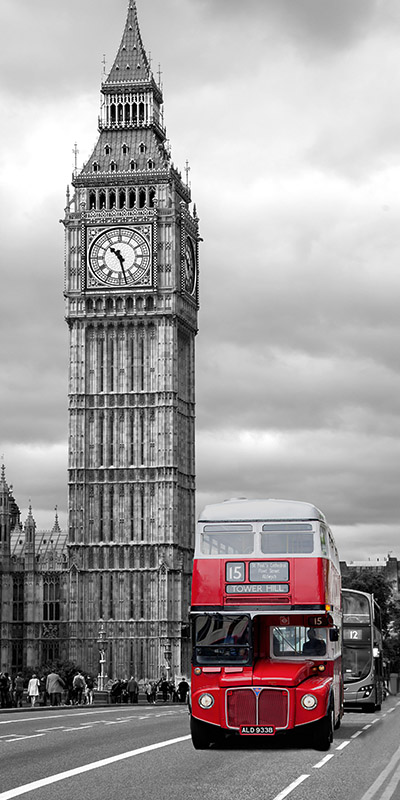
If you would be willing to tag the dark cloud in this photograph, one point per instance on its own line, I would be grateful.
(287, 110)
(317, 23)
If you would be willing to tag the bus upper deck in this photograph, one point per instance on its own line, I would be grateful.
(251, 552)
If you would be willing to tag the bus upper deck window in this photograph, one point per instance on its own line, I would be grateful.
(287, 538)
(227, 540)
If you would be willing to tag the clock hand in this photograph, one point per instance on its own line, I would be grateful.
(121, 261)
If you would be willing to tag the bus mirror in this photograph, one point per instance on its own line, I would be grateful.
(334, 634)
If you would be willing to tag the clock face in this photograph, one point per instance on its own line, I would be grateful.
(189, 267)
(120, 257)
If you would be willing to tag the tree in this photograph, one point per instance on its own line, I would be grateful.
(367, 581)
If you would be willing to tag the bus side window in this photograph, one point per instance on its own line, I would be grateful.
(322, 535)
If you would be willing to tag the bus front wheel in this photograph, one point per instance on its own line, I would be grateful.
(323, 731)
(201, 734)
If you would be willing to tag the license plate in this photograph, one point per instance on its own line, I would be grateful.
(257, 730)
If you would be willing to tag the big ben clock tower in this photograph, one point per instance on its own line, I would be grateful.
(131, 288)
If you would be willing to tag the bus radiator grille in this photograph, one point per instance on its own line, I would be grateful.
(273, 708)
(241, 708)
(265, 707)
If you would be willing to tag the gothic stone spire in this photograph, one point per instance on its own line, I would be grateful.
(131, 64)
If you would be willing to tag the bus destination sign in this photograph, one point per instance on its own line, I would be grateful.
(256, 588)
(269, 570)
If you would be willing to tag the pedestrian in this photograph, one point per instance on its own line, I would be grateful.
(42, 689)
(116, 691)
(3, 689)
(124, 691)
(78, 685)
(89, 689)
(54, 687)
(33, 689)
(183, 688)
(133, 689)
(151, 691)
(18, 689)
(164, 689)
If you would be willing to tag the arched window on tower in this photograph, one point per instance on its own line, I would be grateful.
(134, 113)
(125, 149)
(142, 198)
(152, 196)
(112, 198)
(92, 200)
(150, 164)
(141, 112)
(102, 199)
(107, 149)
(120, 112)
(122, 198)
(95, 166)
(132, 198)
(113, 166)
(133, 165)
(142, 147)
(127, 112)
(113, 113)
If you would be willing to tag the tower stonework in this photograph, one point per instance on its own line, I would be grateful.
(131, 289)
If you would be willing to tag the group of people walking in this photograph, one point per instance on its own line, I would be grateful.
(49, 689)
(176, 694)
(11, 690)
(78, 689)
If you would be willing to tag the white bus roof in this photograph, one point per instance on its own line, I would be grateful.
(240, 508)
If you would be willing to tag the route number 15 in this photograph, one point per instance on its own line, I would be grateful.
(235, 571)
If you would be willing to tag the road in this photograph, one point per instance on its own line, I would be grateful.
(145, 752)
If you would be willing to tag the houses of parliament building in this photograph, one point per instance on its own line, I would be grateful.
(119, 577)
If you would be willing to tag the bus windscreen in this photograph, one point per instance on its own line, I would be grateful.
(222, 640)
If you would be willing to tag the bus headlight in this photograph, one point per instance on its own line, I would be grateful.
(367, 690)
(206, 700)
(309, 701)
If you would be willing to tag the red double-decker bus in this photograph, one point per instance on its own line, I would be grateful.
(266, 621)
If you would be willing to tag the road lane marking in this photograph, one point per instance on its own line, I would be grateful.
(369, 794)
(390, 710)
(19, 738)
(81, 728)
(69, 711)
(343, 745)
(392, 786)
(285, 792)
(61, 776)
(56, 728)
(366, 727)
(324, 761)
(354, 736)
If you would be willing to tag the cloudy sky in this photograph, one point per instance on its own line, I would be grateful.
(288, 112)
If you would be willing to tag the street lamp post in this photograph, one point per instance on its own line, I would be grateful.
(102, 645)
